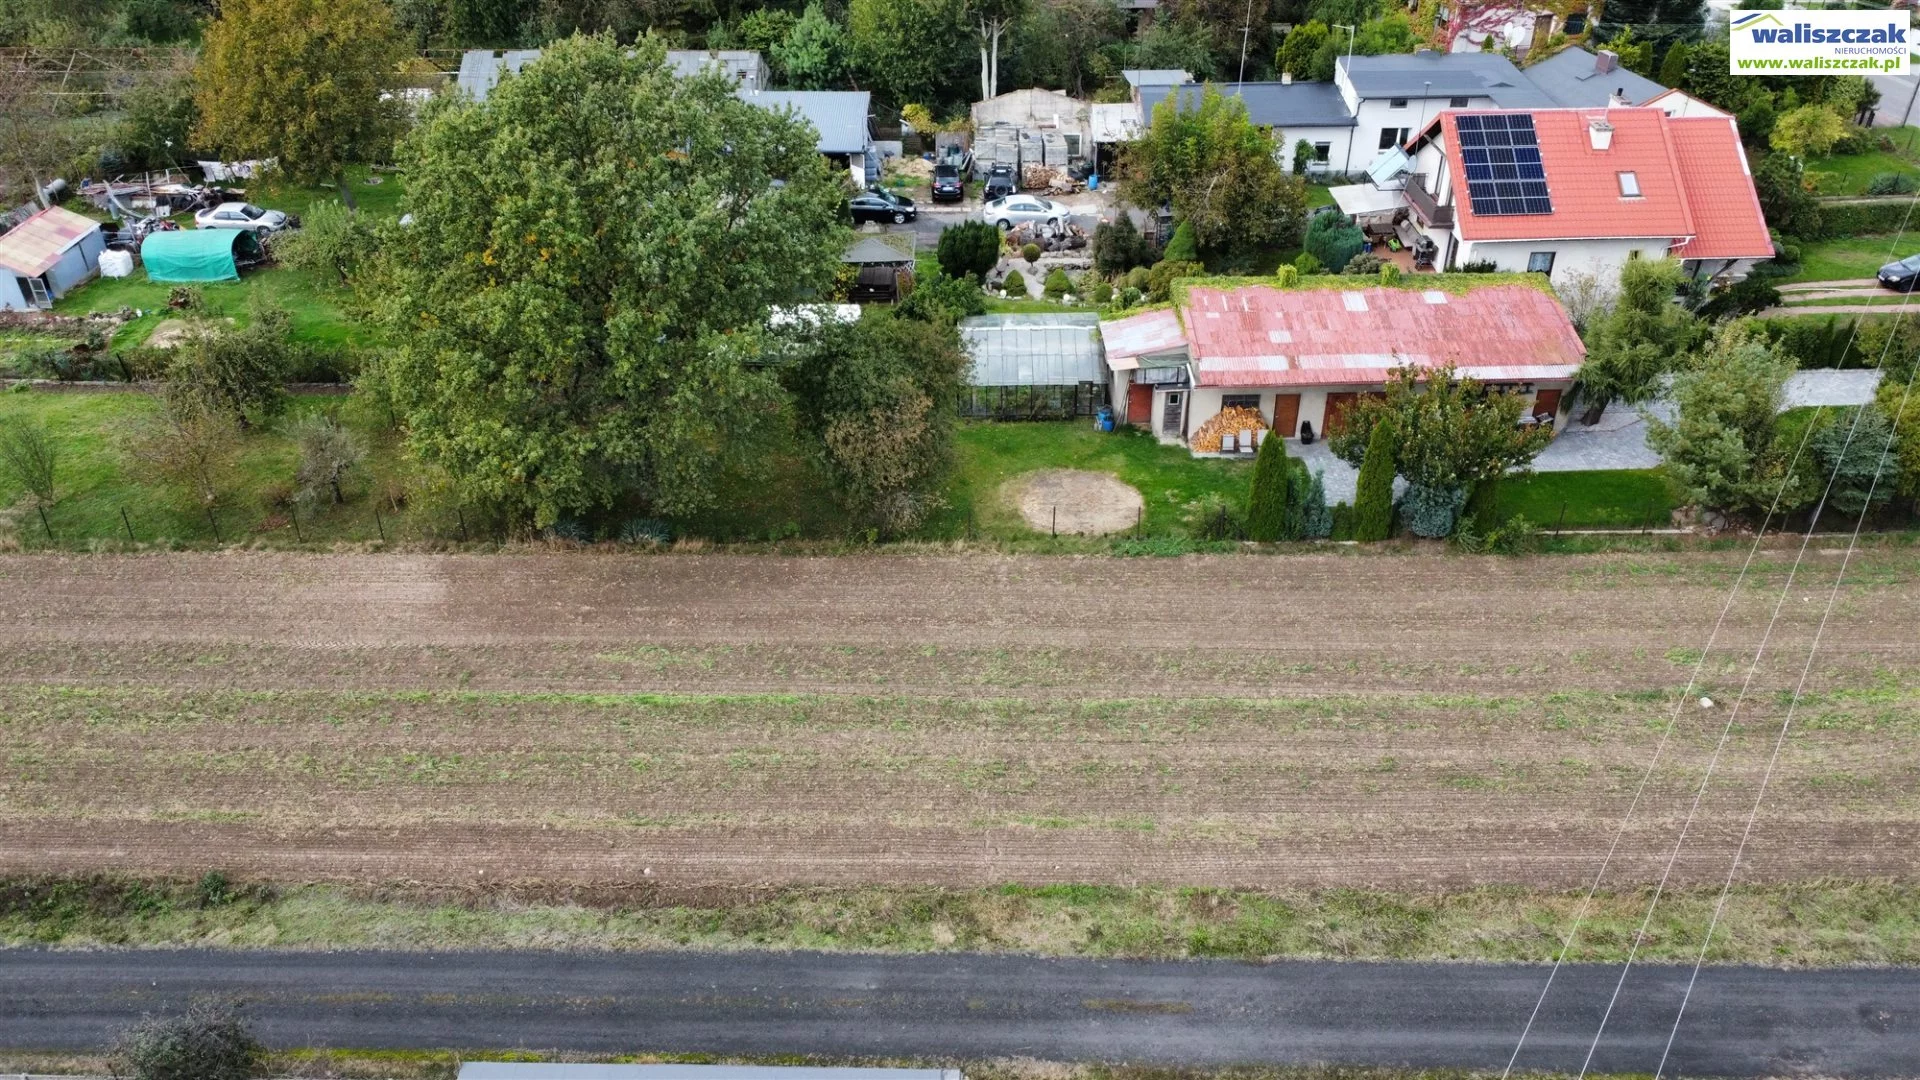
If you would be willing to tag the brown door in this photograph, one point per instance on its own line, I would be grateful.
(1286, 415)
(1139, 404)
(1546, 403)
(1337, 404)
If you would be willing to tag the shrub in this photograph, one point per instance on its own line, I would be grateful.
(30, 457)
(1341, 519)
(943, 299)
(1303, 157)
(1479, 266)
(1015, 284)
(328, 452)
(1334, 239)
(1211, 518)
(1748, 296)
(1306, 263)
(1139, 279)
(1389, 273)
(1316, 520)
(1161, 278)
(332, 240)
(1287, 276)
(1057, 285)
(1100, 292)
(1841, 220)
(971, 248)
(1373, 498)
(1183, 247)
(207, 1042)
(1889, 183)
(1118, 246)
(1432, 511)
(1364, 264)
(186, 298)
(1272, 495)
(1031, 253)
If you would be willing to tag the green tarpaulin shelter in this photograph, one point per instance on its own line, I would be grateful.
(197, 254)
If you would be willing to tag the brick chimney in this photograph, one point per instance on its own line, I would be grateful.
(1605, 62)
(1599, 133)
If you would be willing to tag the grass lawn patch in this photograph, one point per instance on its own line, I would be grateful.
(97, 480)
(1847, 258)
(1170, 480)
(316, 304)
(1601, 499)
(1849, 174)
(1319, 195)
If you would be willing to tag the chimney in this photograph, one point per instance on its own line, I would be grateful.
(1605, 62)
(1618, 99)
(1599, 133)
(1286, 78)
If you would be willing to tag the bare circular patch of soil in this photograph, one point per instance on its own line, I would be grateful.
(1075, 501)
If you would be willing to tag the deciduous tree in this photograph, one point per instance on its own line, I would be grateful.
(908, 50)
(301, 82)
(593, 253)
(1720, 448)
(815, 53)
(1808, 130)
(1644, 337)
(328, 453)
(1218, 172)
(235, 371)
(30, 457)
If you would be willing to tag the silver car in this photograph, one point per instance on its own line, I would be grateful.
(239, 215)
(1022, 210)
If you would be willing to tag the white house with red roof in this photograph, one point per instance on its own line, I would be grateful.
(1302, 355)
(1581, 191)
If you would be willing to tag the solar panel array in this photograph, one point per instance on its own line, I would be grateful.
(1502, 156)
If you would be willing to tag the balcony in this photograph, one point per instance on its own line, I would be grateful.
(1431, 214)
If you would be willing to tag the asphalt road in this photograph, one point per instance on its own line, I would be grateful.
(1742, 1022)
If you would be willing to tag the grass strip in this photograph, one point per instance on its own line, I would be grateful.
(1809, 924)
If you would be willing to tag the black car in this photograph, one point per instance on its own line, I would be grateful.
(947, 184)
(1000, 182)
(875, 204)
(1901, 276)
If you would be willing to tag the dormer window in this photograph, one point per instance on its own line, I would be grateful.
(1629, 185)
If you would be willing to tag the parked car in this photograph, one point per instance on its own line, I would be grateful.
(1023, 209)
(1000, 182)
(948, 185)
(1901, 276)
(878, 204)
(239, 215)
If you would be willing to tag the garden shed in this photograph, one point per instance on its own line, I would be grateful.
(1043, 366)
(883, 265)
(196, 255)
(45, 256)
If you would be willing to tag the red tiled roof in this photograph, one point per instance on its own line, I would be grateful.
(1585, 183)
(1727, 221)
(1263, 336)
(36, 244)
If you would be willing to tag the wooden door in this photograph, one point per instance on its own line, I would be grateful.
(1173, 414)
(1286, 415)
(1337, 404)
(1139, 404)
(1546, 403)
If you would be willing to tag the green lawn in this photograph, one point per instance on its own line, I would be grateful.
(1848, 258)
(97, 480)
(1319, 195)
(316, 304)
(1170, 480)
(1605, 499)
(1849, 174)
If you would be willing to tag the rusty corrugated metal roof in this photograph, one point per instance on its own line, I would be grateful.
(1264, 336)
(1135, 336)
(36, 244)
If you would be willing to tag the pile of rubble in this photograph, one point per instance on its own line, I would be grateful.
(1053, 179)
(1066, 237)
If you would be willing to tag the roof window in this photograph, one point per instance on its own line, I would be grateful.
(1629, 185)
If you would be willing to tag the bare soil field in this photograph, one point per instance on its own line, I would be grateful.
(693, 721)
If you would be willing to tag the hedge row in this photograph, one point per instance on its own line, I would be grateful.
(1840, 220)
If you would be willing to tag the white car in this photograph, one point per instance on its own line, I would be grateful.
(239, 215)
(1023, 209)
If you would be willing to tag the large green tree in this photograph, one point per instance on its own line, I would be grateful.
(300, 81)
(877, 401)
(909, 50)
(815, 54)
(1644, 337)
(1721, 448)
(593, 250)
(1218, 172)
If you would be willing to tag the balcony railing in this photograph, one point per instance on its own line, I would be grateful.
(1429, 211)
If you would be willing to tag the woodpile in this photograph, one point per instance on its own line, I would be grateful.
(1232, 422)
(1053, 179)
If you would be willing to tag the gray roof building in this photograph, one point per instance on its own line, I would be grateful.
(1043, 349)
(839, 115)
(1578, 79)
(481, 69)
(1269, 104)
(1139, 77)
(1431, 74)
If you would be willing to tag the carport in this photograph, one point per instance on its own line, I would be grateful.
(198, 255)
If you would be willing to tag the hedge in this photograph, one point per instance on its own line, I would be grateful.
(1841, 220)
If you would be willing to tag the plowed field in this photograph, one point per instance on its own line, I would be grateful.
(689, 721)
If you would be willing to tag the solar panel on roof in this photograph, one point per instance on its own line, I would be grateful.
(1501, 153)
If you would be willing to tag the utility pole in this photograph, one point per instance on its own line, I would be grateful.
(1246, 35)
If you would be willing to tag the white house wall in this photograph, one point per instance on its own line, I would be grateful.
(1339, 140)
(1374, 115)
(1601, 258)
(11, 299)
(1204, 403)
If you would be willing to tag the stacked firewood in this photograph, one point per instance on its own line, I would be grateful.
(1231, 421)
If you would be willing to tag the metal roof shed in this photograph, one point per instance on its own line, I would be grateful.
(534, 1070)
(45, 256)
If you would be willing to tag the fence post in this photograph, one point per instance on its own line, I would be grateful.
(215, 522)
(378, 524)
(128, 524)
(43, 520)
(1056, 520)
(293, 512)
(1562, 520)
(1646, 518)
(463, 523)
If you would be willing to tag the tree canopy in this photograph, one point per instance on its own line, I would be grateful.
(1720, 448)
(593, 252)
(1217, 170)
(1644, 337)
(299, 81)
